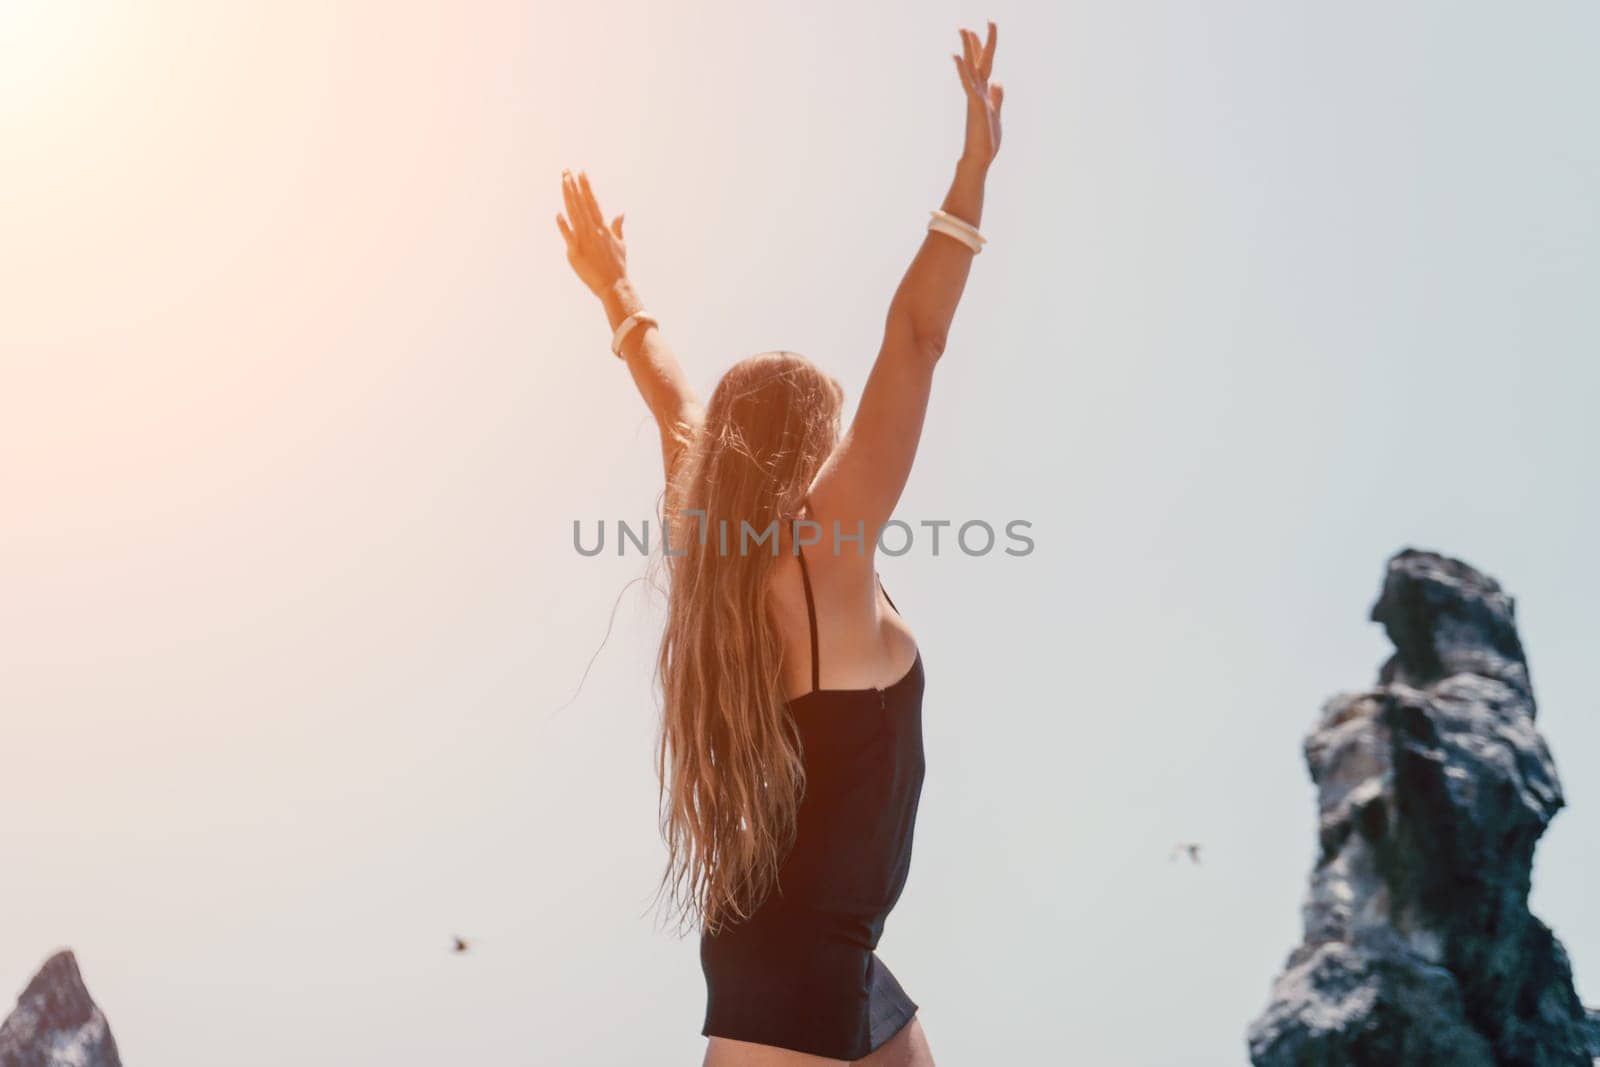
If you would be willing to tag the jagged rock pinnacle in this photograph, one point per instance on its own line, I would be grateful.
(56, 1023)
(1433, 788)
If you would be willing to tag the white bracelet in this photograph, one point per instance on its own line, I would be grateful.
(958, 222)
(626, 325)
(937, 225)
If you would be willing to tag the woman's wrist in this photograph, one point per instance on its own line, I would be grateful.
(620, 301)
(973, 167)
(964, 199)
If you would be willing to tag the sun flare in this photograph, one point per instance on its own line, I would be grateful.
(45, 47)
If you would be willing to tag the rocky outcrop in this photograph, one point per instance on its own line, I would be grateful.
(1433, 788)
(56, 1023)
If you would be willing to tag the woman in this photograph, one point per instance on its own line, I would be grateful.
(791, 747)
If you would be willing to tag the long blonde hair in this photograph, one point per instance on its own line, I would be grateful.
(729, 759)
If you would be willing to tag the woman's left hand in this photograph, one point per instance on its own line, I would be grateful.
(594, 250)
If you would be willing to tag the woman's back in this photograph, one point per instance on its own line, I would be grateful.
(851, 856)
(862, 748)
(862, 641)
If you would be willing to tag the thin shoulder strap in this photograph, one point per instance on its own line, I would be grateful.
(811, 614)
(886, 595)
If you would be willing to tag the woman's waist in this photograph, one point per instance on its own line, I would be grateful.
(796, 914)
(830, 877)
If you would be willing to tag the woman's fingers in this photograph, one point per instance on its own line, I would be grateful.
(964, 64)
(566, 232)
(975, 65)
(979, 57)
(575, 209)
(586, 213)
(591, 204)
(577, 206)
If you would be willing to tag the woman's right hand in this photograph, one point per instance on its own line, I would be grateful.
(594, 250)
(983, 98)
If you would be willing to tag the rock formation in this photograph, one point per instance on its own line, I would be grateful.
(1433, 788)
(56, 1023)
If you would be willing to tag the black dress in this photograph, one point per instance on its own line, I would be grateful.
(800, 972)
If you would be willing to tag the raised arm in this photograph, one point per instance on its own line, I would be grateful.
(598, 256)
(864, 477)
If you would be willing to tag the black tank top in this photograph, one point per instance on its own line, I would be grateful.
(864, 771)
(801, 972)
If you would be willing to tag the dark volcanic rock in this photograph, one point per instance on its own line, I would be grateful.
(56, 1023)
(1433, 789)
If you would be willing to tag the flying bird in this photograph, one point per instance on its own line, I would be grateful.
(459, 944)
(1185, 848)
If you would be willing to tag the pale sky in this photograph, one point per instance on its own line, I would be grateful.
(299, 401)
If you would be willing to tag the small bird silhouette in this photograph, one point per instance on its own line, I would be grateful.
(1185, 848)
(459, 944)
